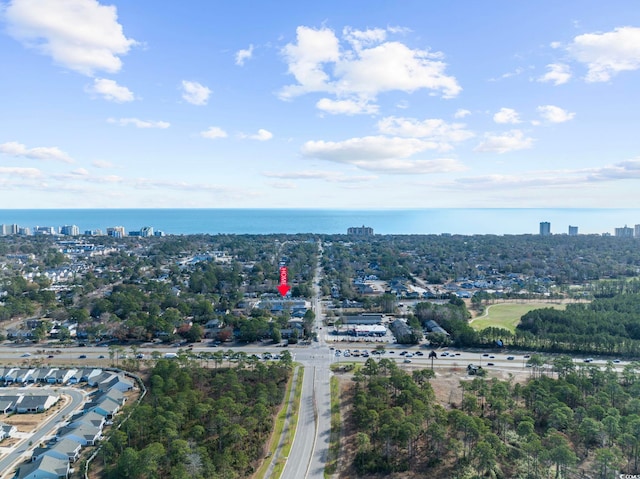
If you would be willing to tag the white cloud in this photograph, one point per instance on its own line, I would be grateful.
(330, 176)
(283, 185)
(20, 172)
(394, 66)
(111, 91)
(306, 59)
(365, 66)
(412, 167)
(510, 141)
(379, 153)
(364, 38)
(346, 107)
(434, 129)
(558, 74)
(102, 164)
(566, 178)
(516, 72)
(461, 113)
(82, 35)
(369, 148)
(262, 135)
(607, 54)
(139, 123)
(625, 170)
(213, 132)
(244, 55)
(80, 172)
(507, 115)
(554, 114)
(195, 93)
(13, 148)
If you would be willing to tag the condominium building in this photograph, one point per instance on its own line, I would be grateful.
(70, 230)
(545, 228)
(573, 231)
(44, 230)
(624, 232)
(6, 230)
(116, 231)
(360, 231)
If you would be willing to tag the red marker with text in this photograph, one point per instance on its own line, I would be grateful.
(283, 287)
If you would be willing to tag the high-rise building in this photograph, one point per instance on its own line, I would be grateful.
(146, 231)
(44, 230)
(116, 232)
(360, 231)
(636, 231)
(573, 231)
(70, 230)
(624, 232)
(545, 228)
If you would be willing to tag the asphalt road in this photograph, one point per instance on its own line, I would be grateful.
(311, 444)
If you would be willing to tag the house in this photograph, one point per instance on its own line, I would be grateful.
(34, 404)
(33, 375)
(7, 430)
(89, 373)
(67, 449)
(23, 374)
(85, 434)
(90, 418)
(116, 395)
(8, 403)
(63, 375)
(46, 467)
(10, 376)
(106, 408)
(83, 375)
(50, 377)
(117, 381)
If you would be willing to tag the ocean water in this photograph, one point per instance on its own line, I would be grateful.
(466, 221)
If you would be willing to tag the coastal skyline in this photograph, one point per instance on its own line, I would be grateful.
(455, 221)
(375, 104)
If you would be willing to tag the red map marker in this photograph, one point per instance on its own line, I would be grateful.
(283, 287)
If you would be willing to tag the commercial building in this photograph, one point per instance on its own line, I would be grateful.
(573, 231)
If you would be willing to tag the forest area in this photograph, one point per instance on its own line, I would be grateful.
(583, 422)
(197, 423)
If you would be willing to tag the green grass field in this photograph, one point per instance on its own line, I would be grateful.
(507, 315)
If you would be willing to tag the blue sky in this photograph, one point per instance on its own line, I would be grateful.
(336, 104)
